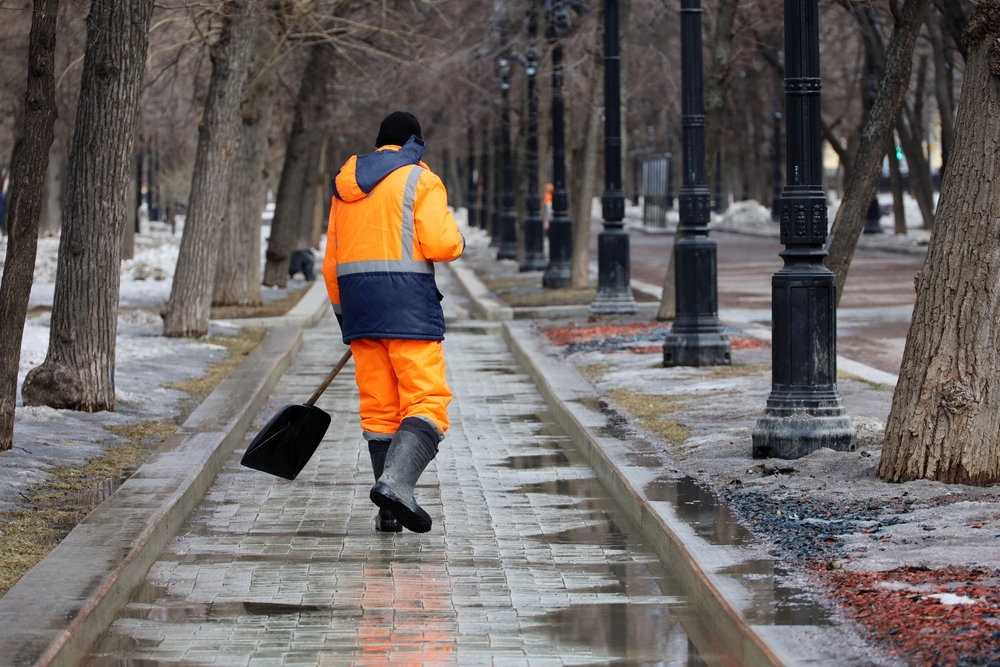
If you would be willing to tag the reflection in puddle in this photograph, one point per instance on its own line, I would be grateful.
(536, 461)
(627, 634)
(711, 519)
(775, 601)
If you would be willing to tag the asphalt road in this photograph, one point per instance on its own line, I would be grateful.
(874, 311)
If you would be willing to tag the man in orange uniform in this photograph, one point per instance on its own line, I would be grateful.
(389, 222)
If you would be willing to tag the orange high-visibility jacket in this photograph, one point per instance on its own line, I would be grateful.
(389, 221)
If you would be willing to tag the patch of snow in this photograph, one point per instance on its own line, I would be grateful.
(748, 215)
(952, 599)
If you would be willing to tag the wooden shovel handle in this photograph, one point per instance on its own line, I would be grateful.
(329, 378)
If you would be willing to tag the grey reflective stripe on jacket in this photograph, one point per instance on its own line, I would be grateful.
(407, 264)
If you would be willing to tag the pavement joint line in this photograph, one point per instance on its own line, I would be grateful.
(62, 605)
(311, 308)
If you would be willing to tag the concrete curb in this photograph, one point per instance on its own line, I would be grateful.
(484, 304)
(706, 572)
(310, 309)
(62, 605)
(492, 309)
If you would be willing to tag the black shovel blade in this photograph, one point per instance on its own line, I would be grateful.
(285, 444)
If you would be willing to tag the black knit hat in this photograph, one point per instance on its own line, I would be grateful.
(397, 128)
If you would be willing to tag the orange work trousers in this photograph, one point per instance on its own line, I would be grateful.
(399, 379)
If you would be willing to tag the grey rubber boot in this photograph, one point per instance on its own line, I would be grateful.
(408, 455)
(386, 522)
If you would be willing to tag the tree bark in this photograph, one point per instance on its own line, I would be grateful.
(585, 181)
(945, 415)
(896, 180)
(309, 106)
(24, 206)
(867, 168)
(78, 371)
(237, 271)
(717, 83)
(188, 312)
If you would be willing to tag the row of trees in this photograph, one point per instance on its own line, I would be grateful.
(282, 91)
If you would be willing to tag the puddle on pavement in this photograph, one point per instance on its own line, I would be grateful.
(777, 602)
(536, 461)
(641, 634)
(699, 507)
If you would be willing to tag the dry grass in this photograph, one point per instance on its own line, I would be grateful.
(273, 309)
(57, 505)
(650, 409)
(734, 371)
(844, 375)
(54, 507)
(595, 371)
(238, 346)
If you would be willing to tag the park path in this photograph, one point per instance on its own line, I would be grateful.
(524, 565)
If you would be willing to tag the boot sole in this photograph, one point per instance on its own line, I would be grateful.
(413, 518)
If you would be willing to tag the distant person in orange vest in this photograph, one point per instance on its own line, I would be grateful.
(389, 222)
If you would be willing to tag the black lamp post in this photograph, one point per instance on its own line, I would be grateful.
(614, 292)
(557, 273)
(776, 200)
(508, 216)
(472, 196)
(534, 228)
(670, 169)
(696, 337)
(484, 183)
(720, 204)
(804, 411)
(495, 188)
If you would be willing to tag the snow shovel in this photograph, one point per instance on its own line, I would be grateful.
(285, 444)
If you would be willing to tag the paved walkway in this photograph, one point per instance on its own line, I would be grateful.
(524, 565)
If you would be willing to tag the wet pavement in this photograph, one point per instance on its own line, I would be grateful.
(530, 562)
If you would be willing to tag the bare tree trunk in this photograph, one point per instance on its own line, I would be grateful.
(942, 86)
(23, 209)
(307, 212)
(189, 309)
(78, 372)
(717, 82)
(50, 220)
(946, 408)
(867, 168)
(920, 171)
(309, 107)
(896, 179)
(237, 271)
(954, 20)
(321, 209)
(585, 180)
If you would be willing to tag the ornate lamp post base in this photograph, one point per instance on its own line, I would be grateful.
(804, 411)
(696, 349)
(801, 433)
(614, 296)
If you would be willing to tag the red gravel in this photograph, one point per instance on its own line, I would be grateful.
(567, 335)
(921, 628)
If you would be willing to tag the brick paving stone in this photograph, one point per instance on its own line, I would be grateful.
(524, 565)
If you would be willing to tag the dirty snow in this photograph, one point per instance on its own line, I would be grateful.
(145, 361)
